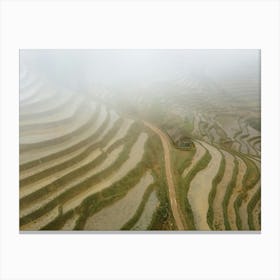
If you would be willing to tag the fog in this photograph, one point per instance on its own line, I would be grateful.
(81, 69)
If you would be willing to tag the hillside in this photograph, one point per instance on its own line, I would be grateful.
(104, 159)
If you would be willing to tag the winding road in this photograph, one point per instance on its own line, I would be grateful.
(170, 182)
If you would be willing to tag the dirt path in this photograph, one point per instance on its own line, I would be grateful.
(168, 172)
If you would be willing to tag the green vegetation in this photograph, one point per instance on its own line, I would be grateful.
(67, 163)
(68, 150)
(140, 209)
(212, 194)
(97, 201)
(183, 186)
(228, 194)
(162, 218)
(250, 207)
(255, 138)
(59, 222)
(237, 134)
(68, 170)
(244, 136)
(106, 197)
(86, 183)
(183, 125)
(156, 114)
(63, 180)
(255, 123)
(181, 159)
(251, 177)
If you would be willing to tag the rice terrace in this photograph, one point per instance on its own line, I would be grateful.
(140, 140)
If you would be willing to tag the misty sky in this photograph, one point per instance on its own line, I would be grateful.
(81, 68)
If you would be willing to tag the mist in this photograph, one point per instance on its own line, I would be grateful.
(122, 69)
(157, 139)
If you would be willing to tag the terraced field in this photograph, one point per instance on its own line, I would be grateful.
(89, 163)
(82, 165)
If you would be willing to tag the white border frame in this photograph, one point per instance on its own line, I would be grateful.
(155, 24)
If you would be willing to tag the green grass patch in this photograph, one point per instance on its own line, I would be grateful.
(181, 159)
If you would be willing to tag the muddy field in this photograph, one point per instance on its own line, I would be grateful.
(100, 151)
